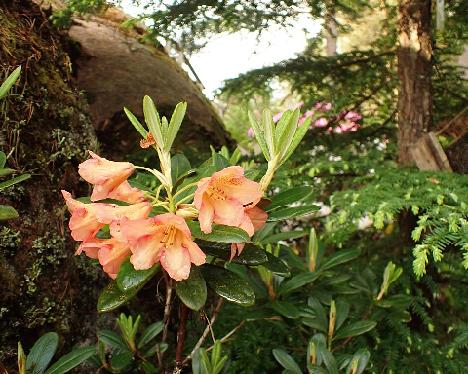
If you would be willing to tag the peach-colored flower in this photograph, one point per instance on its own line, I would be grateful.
(127, 193)
(253, 220)
(222, 197)
(110, 252)
(104, 174)
(165, 238)
(87, 219)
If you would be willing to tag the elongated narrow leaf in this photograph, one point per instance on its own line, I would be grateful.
(9, 82)
(291, 212)
(228, 285)
(136, 124)
(286, 309)
(282, 123)
(192, 291)
(286, 361)
(71, 360)
(260, 136)
(180, 165)
(277, 265)
(150, 333)
(219, 234)
(2, 159)
(297, 282)
(339, 258)
(287, 235)
(269, 130)
(289, 196)
(112, 339)
(287, 135)
(130, 279)
(174, 125)
(112, 297)
(6, 171)
(152, 119)
(8, 212)
(41, 353)
(355, 329)
(300, 133)
(11, 182)
(121, 360)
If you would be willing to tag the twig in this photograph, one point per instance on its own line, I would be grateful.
(167, 315)
(229, 334)
(181, 333)
(205, 332)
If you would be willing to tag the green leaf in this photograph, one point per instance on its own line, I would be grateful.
(129, 279)
(260, 136)
(354, 329)
(342, 311)
(138, 126)
(297, 282)
(11, 182)
(291, 212)
(228, 285)
(150, 333)
(286, 309)
(180, 165)
(152, 120)
(287, 134)
(71, 360)
(219, 162)
(300, 133)
(121, 360)
(339, 258)
(277, 265)
(8, 212)
(41, 353)
(289, 196)
(112, 339)
(286, 361)
(2, 159)
(174, 125)
(112, 297)
(269, 131)
(9, 82)
(251, 254)
(287, 235)
(219, 234)
(192, 291)
(6, 171)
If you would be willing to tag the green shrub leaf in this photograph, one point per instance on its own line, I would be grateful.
(220, 233)
(129, 279)
(41, 353)
(71, 360)
(192, 291)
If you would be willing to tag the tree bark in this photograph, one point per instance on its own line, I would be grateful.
(414, 70)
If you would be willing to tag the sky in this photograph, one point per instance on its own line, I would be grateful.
(228, 55)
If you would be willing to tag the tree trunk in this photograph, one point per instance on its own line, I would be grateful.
(414, 70)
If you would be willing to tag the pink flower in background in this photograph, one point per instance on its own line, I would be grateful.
(346, 127)
(322, 106)
(308, 114)
(253, 220)
(277, 116)
(125, 192)
(353, 116)
(321, 122)
(221, 198)
(250, 133)
(165, 238)
(104, 174)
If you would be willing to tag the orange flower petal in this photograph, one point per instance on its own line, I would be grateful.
(176, 261)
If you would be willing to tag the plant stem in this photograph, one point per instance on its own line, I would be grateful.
(181, 333)
(205, 332)
(167, 315)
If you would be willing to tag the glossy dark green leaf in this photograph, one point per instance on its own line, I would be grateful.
(251, 255)
(112, 297)
(129, 279)
(354, 329)
(286, 361)
(112, 339)
(291, 212)
(121, 360)
(8, 212)
(71, 360)
(228, 285)
(276, 265)
(180, 165)
(219, 234)
(192, 291)
(289, 196)
(297, 282)
(286, 309)
(14, 180)
(150, 333)
(339, 258)
(41, 353)
(287, 235)
(342, 311)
